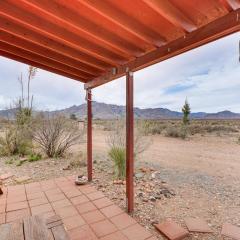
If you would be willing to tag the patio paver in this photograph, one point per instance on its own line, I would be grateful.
(85, 212)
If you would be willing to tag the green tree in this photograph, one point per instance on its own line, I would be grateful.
(186, 112)
(73, 116)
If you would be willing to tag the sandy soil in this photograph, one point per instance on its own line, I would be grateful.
(203, 171)
(218, 156)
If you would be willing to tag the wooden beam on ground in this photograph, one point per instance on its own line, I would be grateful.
(172, 14)
(129, 142)
(221, 27)
(89, 134)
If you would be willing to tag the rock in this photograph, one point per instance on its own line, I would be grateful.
(143, 169)
(22, 179)
(66, 167)
(140, 194)
(139, 175)
(152, 199)
(6, 176)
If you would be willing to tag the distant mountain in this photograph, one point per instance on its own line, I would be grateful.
(110, 111)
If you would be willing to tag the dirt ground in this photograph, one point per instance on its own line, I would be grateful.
(203, 172)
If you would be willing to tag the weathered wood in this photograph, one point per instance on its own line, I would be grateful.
(13, 231)
(35, 228)
(54, 224)
(4, 231)
(52, 219)
(60, 233)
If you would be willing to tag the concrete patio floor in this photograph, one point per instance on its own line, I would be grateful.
(86, 213)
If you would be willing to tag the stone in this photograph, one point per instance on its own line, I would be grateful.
(139, 175)
(22, 179)
(6, 176)
(172, 230)
(197, 225)
(229, 230)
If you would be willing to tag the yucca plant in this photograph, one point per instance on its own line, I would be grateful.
(118, 156)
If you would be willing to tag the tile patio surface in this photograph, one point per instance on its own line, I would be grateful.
(86, 213)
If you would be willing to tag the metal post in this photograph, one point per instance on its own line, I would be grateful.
(89, 134)
(129, 142)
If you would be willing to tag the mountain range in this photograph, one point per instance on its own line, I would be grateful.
(111, 111)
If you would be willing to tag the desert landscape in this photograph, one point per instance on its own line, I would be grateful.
(176, 176)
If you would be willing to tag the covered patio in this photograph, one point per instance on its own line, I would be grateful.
(95, 42)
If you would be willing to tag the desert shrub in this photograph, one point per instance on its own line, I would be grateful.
(16, 141)
(56, 134)
(117, 142)
(118, 155)
(176, 132)
(148, 127)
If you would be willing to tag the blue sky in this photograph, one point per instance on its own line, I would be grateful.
(208, 76)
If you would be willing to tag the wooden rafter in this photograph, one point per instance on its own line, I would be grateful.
(172, 14)
(213, 31)
(39, 65)
(125, 22)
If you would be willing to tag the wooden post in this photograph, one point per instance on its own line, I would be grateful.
(129, 142)
(89, 134)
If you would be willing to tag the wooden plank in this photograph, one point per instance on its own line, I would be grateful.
(54, 224)
(60, 233)
(35, 228)
(4, 231)
(219, 28)
(13, 231)
(52, 219)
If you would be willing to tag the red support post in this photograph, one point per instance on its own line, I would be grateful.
(129, 142)
(89, 134)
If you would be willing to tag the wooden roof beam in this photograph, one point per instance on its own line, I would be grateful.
(126, 22)
(221, 27)
(26, 16)
(58, 10)
(172, 14)
(47, 53)
(10, 25)
(42, 60)
(231, 4)
(38, 65)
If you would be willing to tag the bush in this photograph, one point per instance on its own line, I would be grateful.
(118, 156)
(55, 135)
(17, 140)
(176, 132)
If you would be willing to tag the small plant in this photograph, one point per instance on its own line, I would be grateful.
(10, 161)
(117, 143)
(34, 157)
(118, 155)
